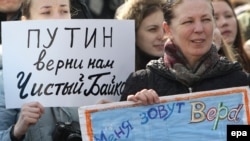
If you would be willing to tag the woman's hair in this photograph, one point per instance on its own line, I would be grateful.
(26, 8)
(170, 6)
(238, 42)
(227, 51)
(139, 9)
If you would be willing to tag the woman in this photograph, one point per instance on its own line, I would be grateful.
(9, 11)
(190, 63)
(223, 48)
(149, 17)
(228, 24)
(33, 122)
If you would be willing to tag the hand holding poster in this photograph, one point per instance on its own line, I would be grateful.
(201, 116)
(66, 62)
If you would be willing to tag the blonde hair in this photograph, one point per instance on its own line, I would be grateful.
(227, 51)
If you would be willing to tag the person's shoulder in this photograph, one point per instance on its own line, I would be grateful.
(80, 10)
(225, 62)
(225, 67)
(140, 73)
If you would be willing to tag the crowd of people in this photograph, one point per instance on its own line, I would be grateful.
(182, 46)
(191, 61)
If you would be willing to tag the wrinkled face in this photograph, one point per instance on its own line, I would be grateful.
(9, 6)
(50, 9)
(192, 28)
(149, 36)
(226, 21)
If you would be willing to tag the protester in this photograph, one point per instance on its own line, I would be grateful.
(103, 9)
(223, 48)
(9, 11)
(33, 122)
(190, 63)
(80, 10)
(244, 20)
(150, 37)
(230, 29)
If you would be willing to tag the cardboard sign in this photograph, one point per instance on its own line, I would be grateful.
(66, 62)
(201, 116)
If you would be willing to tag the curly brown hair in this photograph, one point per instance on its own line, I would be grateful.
(139, 9)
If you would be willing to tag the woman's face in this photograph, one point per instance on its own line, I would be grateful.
(226, 21)
(192, 28)
(149, 36)
(8, 6)
(50, 9)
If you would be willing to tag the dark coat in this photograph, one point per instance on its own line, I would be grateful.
(223, 75)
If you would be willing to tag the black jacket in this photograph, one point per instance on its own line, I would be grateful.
(223, 75)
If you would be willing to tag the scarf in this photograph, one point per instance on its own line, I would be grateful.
(175, 61)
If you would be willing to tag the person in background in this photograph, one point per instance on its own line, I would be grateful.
(9, 11)
(244, 19)
(80, 10)
(150, 37)
(190, 63)
(103, 9)
(33, 122)
(228, 24)
(222, 47)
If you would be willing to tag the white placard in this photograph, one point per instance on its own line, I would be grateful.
(66, 62)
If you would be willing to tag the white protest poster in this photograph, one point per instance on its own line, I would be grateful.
(200, 116)
(66, 62)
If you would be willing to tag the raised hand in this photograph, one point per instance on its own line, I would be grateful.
(29, 115)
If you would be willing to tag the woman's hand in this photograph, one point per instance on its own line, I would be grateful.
(29, 115)
(145, 96)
